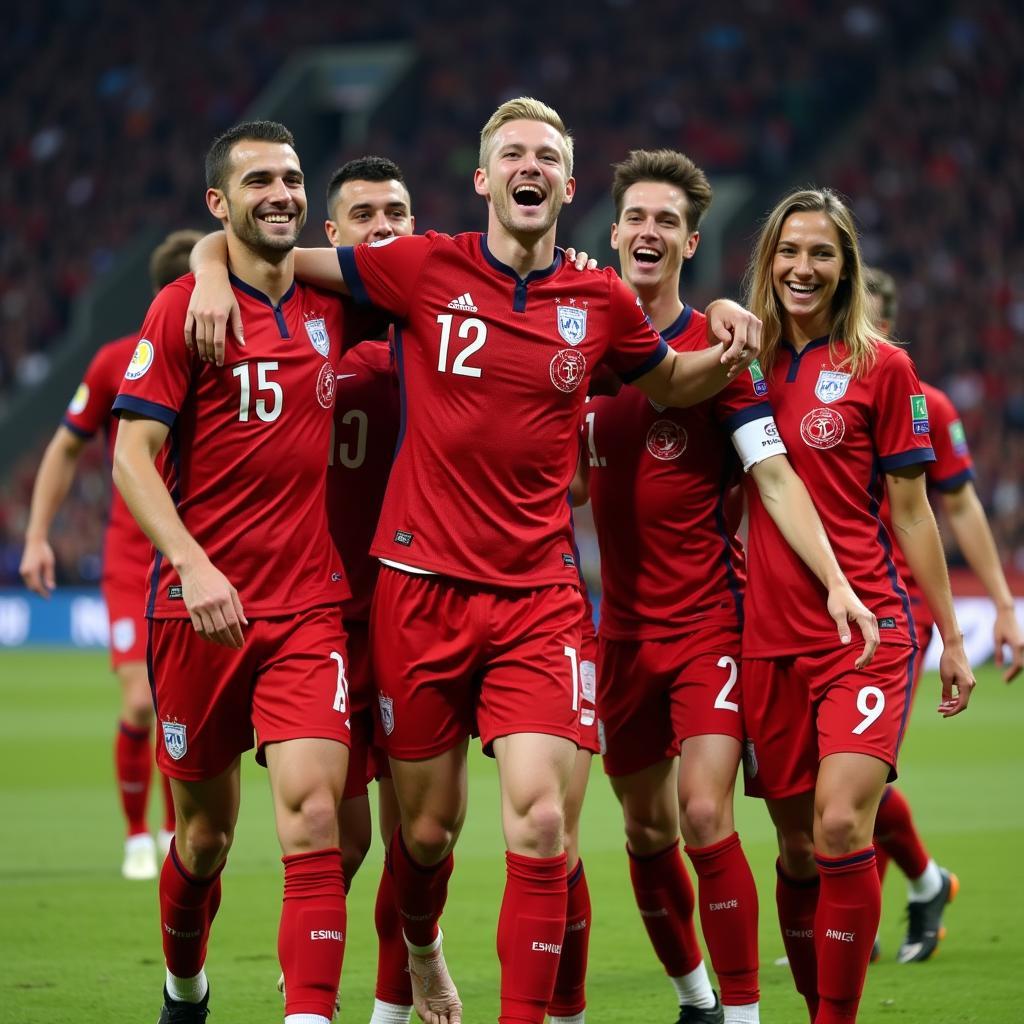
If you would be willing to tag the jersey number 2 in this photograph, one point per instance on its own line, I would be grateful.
(472, 326)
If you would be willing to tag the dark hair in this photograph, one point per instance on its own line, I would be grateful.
(219, 153)
(363, 168)
(670, 167)
(169, 260)
(884, 286)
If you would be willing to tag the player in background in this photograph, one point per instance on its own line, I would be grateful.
(930, 887)
(478, 603)
(245, 630)
(126, 555)
(672, 581)
(822, 736)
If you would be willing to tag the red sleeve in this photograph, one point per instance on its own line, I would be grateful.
(635, 347)
(953, 466)
(384, 273)
(89, 409)
(160, 373)
(901, 419)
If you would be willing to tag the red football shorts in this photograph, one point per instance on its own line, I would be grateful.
(800, 709)
(289, 681)
(657, 693)
(453, 657)
(591, 727)
(126, 608)
(366, 759)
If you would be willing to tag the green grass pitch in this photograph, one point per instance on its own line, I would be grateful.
(80, 945)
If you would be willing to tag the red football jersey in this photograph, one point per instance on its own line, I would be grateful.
(367, 413)
(659, 477)
(842, 434)
(245, 463)
(952, 468)
(126, 549)
(494, 371)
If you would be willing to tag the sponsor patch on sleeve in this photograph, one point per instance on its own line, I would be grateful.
(142, 360)
(80, 400)
(919, 413)
(757, 377)
(958, 438)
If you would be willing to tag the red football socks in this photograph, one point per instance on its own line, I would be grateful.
(392, 955)
(797, 902)
(133, 765)
(728, 917)
(569, 997)
(188, 905)
(420, 891)
(664, 896)
(531, 929)
(845, 926)
(311, 937)
(896, 835)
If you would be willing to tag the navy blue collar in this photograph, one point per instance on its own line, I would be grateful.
(504, 268)
(813, 344)
(678, 325)
(257, 294)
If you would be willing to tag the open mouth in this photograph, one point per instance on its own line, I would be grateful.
(802, 290)
(527, 195)
(277, 218)
(646, 255)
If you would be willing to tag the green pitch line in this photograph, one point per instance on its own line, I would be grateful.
(82, 946)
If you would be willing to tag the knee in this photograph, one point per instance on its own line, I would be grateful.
(839, 830)
(352, 856)
(649, 833)
(704, 819)
(316, 820)
(430, 838)
(137, 710)
(206, 846)
(544, 827)
(796, 852)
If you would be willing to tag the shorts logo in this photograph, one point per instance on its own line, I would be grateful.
(567, 369)
(822, 428)
(572, 324)
(326, 382)
(122, 635)
(174, 592)
(757, 376)
(919, 413)
(750, 759)
(403, 537)
(318, 336)
(588, 689)
(80, 401)
(888, 622)
(175, 740)
(142, 360)
(831, 386)
(568, 561)
(666, 440)
(387, 713)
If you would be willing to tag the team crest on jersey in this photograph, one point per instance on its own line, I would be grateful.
(666, 440)
(326, 384)
(80, 401)
(567, 369)
(387, 713)
(175, 740)
(822, 428)
(572, 323)
(831, 386)
(318, 336)
(142, 360)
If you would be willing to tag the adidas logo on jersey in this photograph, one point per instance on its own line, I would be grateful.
(464, 302)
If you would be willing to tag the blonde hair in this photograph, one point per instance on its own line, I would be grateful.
(525, 108)
(851, 317)
(883, 286)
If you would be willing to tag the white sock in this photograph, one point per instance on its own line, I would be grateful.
(927, 886)
(748, 1013)
(694, 989)
(187, 990)
(424, 950)
(390, 1013)
(306, 1018)
(576, 1018)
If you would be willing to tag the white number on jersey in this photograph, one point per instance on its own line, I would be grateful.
(351, 456)
(264, 384)
(574, 667)
(595, 459)
(872, 711)
(341, 696)
(471, 326)
(722, 700)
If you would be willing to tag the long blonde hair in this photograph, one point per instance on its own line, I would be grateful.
(851, 317)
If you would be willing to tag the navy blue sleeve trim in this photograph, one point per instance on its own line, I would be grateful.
(761, 411)
(350, 272)
(953, 483)
(148, 410)
(648, 364)
(85, 435)
(903, 459)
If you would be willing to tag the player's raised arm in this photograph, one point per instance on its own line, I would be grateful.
(918, 537)
(212, 602)
(786, 500)
(53, 481)
(974, 535)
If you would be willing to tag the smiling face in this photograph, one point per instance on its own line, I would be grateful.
(807, 268)
(652, 236)
(264, 200)
(526, 179)
(369, 211)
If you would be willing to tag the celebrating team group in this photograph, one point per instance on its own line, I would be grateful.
(366, 622)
